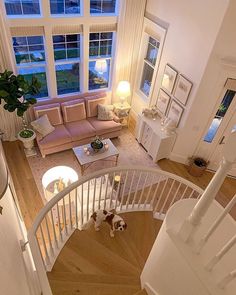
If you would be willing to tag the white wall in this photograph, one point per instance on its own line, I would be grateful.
(191, 34)
(221, 65)
(12, 270)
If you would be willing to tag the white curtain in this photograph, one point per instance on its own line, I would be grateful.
(10, 124)
(128, 41)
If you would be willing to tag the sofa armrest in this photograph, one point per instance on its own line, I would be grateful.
(116, 119)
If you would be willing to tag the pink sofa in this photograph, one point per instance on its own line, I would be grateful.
(75, 121)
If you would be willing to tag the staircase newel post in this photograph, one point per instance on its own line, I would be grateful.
(194, 219)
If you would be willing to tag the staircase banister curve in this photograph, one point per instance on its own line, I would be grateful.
(96, 174)
(55, 222)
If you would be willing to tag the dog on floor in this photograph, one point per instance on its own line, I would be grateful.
(115, 221)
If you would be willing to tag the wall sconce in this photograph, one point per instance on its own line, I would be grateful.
(123, 90)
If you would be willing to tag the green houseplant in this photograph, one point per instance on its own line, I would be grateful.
(17, 93)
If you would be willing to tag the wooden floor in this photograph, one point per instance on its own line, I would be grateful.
(112, 265)
(30, 200)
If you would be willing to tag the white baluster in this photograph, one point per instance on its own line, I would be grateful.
(221, 253)
(215, 224)
(70, 211)
(47, 259)
(144, 186)
(94, 193)
(227, 279)
(229, 157)
(100, 193)
(59, 221)
(149, 191)
(184, 192)
(161, 194)
(76, 207)
(82, 205)
(64, 215)
(136, 189)
(123, 191)
(130, 188)
(173, 199)
(54, 230)
(155, 192)
(88, 199)
(106, 190)
(49, 237)
(167, 197)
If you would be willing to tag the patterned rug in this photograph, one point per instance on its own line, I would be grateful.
(131, 153)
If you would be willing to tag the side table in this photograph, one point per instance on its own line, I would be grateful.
(122, 111)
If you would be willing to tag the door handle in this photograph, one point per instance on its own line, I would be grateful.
(222, 140)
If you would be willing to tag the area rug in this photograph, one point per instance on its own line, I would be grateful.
(131, 153)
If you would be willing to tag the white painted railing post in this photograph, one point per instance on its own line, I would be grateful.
(41, 271)
(194, 219)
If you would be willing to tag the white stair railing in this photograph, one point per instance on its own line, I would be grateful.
(120, 188)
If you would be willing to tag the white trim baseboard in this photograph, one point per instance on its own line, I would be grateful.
(178, 158)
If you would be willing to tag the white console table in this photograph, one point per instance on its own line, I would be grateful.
(149, 134)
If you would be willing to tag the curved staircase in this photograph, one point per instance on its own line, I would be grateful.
(93, 263)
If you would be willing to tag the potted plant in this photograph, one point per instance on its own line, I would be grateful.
(17, 94)
(197, 166)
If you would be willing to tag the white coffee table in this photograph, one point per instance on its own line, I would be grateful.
(86, 160)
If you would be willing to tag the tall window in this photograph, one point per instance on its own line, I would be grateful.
(100, 53)
(22, 7)
(30, 59)
(65, 6)
(102, 6)
(67, 59)
(219, 116)
(149, 65)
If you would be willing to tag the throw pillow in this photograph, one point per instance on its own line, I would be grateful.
(42, 125)
(105, 112)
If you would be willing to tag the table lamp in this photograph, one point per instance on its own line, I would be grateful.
(123, 90)
(101, 66)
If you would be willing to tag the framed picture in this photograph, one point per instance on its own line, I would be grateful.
(182, 89)
(175, 112)
(163, 100)
(169, 77)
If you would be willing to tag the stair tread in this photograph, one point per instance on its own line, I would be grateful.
(74, 288)
(93, 278)
(93, 263)
(80, 244)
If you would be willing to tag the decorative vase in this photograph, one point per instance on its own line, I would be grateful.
(96, 144)
(28, 142)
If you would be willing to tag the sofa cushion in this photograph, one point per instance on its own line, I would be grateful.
(52, 110)
(73, 110)
(80, 130)
(92, 105)
(56, 138)
(102, 127)
(43, 125)
(105, 112)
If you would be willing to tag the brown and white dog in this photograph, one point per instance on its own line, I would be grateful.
(115, 221)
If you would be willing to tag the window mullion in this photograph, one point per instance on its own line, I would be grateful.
(84, 73)
(51, 74)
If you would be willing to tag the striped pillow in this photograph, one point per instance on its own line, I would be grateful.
(53, 111)
(73, 110)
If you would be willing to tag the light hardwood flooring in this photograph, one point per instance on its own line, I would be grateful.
(112, 265)
(30, 200)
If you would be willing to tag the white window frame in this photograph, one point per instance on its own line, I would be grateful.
(106, 14)
(150, 29)
(47, 21)
(111, 59)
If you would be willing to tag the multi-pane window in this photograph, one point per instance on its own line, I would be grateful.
(22, 7)
(67, 58)
(102, 6)
(62, 7)
(219, 116)
(100, 53)
(30, 59)
(149, 65)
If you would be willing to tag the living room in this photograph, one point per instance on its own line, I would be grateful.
(86, 49)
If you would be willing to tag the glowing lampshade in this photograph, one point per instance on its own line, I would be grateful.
(123, 90)
(101, 66)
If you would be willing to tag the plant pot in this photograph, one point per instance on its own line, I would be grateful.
(28, 143)
(197, 167)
